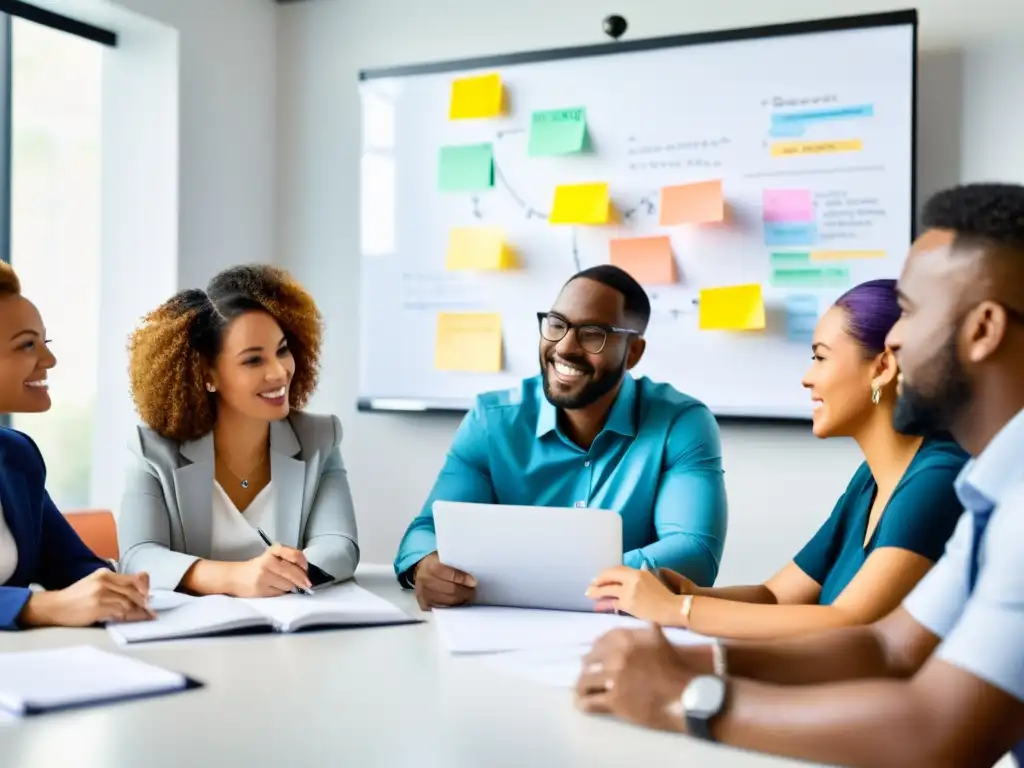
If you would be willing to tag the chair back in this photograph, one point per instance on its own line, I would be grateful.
(96, 527)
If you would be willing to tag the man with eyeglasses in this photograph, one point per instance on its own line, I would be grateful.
(585, 433)
(940, 681)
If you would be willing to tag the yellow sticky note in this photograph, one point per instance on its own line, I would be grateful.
(475, 97)
(581, 204)
(791, 148)
(468, 341)
(732, 308)
(844, 255)
(478, 248)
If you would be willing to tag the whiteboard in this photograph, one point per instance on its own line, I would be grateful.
(659, 112)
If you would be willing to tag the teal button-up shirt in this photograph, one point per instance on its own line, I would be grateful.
(657, 462)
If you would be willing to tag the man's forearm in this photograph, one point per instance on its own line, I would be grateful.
(822, 657)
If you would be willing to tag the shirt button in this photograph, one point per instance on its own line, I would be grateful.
(581, 504)
(586, 463)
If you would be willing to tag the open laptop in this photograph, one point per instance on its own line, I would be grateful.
(528, 557)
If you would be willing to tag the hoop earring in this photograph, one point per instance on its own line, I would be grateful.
(876, 395)
(210, 388)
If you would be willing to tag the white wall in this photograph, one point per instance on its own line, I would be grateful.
(781, 481)
(189, 171)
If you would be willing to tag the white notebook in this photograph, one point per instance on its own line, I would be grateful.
(180, 616)
(33, 682)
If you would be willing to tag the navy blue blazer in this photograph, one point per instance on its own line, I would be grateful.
(49, 551)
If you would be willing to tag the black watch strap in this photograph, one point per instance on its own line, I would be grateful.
(699, 727)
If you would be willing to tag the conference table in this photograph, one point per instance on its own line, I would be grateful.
(385, 696)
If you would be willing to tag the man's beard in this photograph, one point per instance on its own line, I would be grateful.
(590, 394)
(927, 415)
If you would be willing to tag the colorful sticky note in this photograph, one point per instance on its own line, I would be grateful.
(468, 342)
(788, 234)
(475, 97)
(788, 205)
(557, 132)
(648, 259)
(466, 168)
(801, 318)
(700, 203)
(845, 255)
(792, 148)
(810, 277)
(581, 204)
(790, 260)
(732, 308)
(478, 248)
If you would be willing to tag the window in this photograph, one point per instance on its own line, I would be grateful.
(56, 120)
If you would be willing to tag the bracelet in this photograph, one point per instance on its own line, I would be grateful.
(687, 607)
(718, 666)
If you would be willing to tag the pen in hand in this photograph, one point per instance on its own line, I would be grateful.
(269, 543)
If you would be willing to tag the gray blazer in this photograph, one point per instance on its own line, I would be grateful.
(166, 517)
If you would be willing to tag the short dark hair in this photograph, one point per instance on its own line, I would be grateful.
(636, 304)
(980, 214)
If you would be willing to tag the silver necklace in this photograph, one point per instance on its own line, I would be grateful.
(244, 480)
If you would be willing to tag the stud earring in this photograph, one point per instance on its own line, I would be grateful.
(210, 388)
(876, 395)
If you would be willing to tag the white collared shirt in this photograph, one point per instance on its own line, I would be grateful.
(8, 551)
(234, 537)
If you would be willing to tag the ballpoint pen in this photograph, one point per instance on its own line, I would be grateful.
(269, 543)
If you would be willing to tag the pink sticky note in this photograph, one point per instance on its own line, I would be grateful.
(788, 205)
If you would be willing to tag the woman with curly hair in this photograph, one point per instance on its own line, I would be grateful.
(37, 545)
(227, 461)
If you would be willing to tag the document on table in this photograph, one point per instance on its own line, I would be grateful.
(488, 629)
(34, 682)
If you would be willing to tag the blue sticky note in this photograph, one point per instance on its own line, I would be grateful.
(801, 318)
(789, 233)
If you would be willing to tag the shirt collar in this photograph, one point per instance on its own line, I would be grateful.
(621, 417)
(984, 480)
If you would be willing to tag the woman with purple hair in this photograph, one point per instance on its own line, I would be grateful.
(886, 531)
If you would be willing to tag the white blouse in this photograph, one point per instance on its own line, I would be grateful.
(234, 536)
(8, 551)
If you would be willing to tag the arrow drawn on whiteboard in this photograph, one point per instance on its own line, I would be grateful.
(509, 132)
(531, 212)
(646, 206)
(475, 199)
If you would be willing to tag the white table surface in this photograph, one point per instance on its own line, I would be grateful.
(361, 697)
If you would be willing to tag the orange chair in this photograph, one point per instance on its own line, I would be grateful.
(96, 527)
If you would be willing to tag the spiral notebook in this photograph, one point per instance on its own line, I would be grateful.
(181, 616)
(36, 682)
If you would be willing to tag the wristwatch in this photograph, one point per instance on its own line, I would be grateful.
(703, 700)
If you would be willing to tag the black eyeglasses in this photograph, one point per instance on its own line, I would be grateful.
(590, 337)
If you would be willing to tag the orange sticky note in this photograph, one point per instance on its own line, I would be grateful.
(648, 259)
(700, 203)
(468, 341)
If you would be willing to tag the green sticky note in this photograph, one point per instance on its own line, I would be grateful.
(790, 260)
(557, 132)
(465, 168)
(810, 277)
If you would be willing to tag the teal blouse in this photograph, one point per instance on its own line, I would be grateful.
(920, 517)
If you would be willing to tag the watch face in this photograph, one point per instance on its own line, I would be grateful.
(704, 696)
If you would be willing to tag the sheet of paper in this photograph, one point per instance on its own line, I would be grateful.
(337, 600)
(478, 248)
(560, 667)
(648, 259)
(788, 205)
(581, 204)
(476, 97)
(465, 168)
(557, 132)
(166, 600)
(732, 308)
(468, 341)
(41, 680)
(801, 318)
(202, 616)
(700, 203)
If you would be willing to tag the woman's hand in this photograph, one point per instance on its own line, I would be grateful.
(277, 571)
(100, 597)
(677, 583)
(638, 593)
